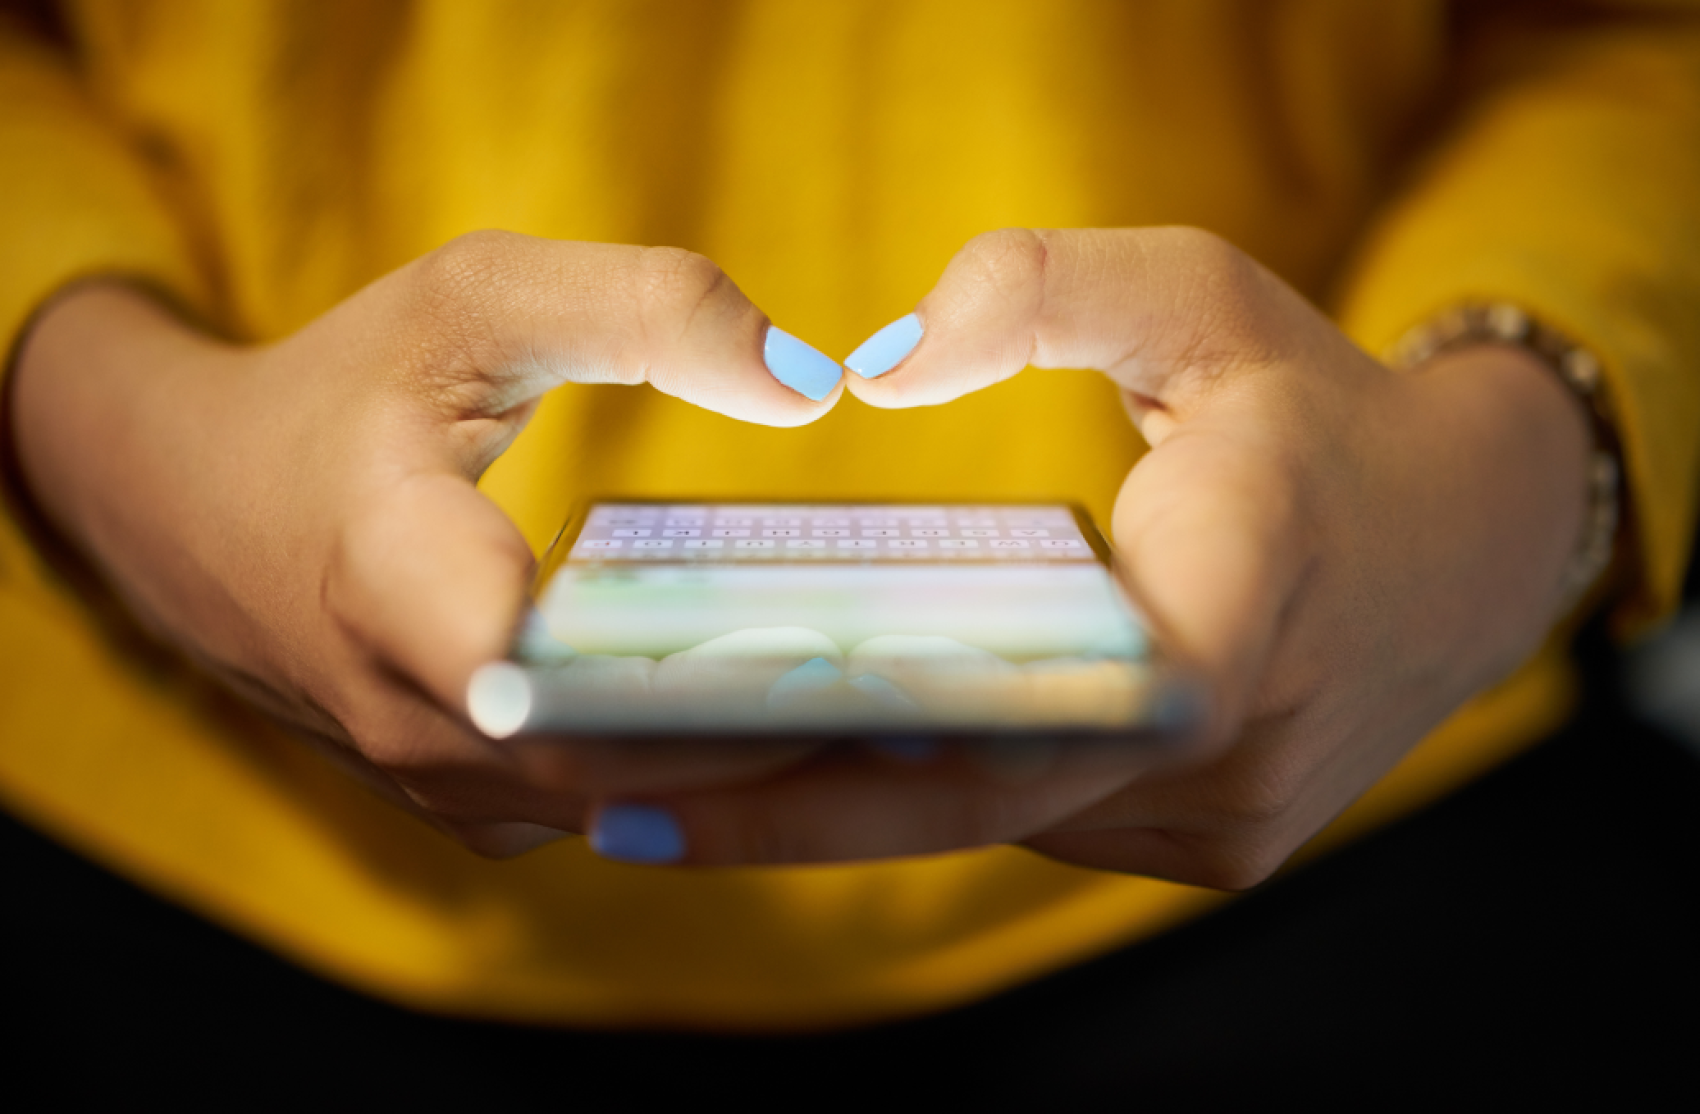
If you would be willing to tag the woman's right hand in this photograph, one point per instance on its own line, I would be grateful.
(301, 517)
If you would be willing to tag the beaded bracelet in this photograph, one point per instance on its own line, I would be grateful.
(1578, 369)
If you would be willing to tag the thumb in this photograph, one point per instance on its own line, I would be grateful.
(430, 577)
(1212, 539)
(513, 316)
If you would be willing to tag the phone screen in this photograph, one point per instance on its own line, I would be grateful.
(836, 618)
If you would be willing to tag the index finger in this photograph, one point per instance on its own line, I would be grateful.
(519, 315)
(1144, 305)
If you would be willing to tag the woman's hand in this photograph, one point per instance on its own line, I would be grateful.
(1345, 553)
(301, 517)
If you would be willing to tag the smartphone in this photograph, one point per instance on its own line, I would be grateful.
(841, 620)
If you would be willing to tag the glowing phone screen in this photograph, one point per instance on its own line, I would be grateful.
(852, 618)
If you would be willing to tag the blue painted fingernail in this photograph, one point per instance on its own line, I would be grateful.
(805, 680)
(806, 371)
(637, 834)
(886, 348)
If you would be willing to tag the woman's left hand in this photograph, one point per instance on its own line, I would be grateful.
(1344, 553)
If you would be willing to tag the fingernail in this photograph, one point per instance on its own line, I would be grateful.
(886, 348)
(806, 371)
(805, 680)
(637, 834)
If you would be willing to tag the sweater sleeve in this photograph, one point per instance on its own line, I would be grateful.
(1566, 180)
(76, 201)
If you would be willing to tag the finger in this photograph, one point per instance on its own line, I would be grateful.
(429, 576)
(1141, 304)
(520, 315)
(1150, 853)
(845, 808)
(430, 579)
(426, 760)
(1227, 826)
(505, 840)
(1212, 532)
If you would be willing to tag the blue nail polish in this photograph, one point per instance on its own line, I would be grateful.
(886, 348)
(806, 371)
(804, 681)
(637, 834)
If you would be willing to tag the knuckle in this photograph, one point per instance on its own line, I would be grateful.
(1207, 252)
(1009, 259)
(469, 260)
(463, 271)
(454, 296)
(673, 284)
(1219, 275)
(1255, 803)
(398, 754)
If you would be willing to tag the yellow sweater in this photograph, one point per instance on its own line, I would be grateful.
(260, 161)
